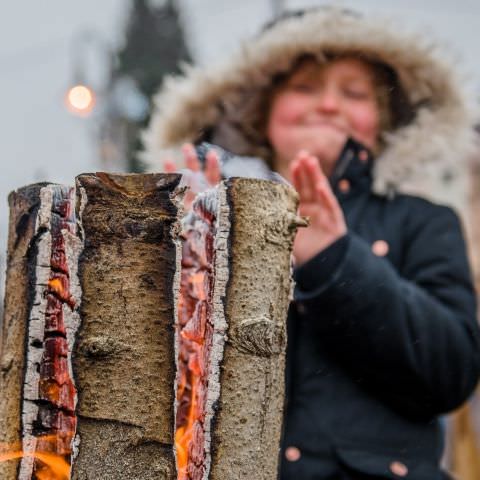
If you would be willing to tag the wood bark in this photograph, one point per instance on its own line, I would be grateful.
(246, 429)
(124, 360)
(92, 344)
(24, 205)
(232, 330)
(39, 331)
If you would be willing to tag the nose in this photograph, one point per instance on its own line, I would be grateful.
(327, 100)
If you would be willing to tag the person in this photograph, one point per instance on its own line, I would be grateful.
(382, 331)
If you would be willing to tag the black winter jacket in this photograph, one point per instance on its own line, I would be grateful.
(379, 345)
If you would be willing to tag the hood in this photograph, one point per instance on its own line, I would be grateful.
(426, 157)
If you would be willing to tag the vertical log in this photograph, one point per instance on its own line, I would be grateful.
(236, 287)
(246, 429)
(124, 360)
(49, 395)
(39, 331)
(112, 376)
(21, 258)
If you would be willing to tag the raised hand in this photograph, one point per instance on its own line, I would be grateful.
(318, 202)
(194, 177)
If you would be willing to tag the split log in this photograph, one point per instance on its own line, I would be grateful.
(247, 425)
(236, 287)
(124, 359)
(24, 206)
(123, 354)
(94, 352)
(39, 328)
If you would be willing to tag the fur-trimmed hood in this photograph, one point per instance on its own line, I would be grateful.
(425, 157)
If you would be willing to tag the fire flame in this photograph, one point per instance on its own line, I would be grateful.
(183, 437)
(59, 287)
(49, 446)
(52, 466)
(195, 334)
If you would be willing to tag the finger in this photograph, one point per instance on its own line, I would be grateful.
(169, 166)
(293, 167)
(212, 167)
(319, 182)
(191, 158)
(300, 175)
(313, 173)
(296, 178)
(315, 170)
(188, 199)
(325, 195)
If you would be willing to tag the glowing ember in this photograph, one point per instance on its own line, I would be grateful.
(50, 466)
(49, 427)
(195, 341)
(56, 422)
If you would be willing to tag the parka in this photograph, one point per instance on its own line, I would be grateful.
(382, 331)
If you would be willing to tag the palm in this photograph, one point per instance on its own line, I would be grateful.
(317, 202)
(197, 179)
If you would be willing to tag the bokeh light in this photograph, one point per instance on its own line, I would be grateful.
(80, 100)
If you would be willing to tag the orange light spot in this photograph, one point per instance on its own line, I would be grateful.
(80, 100)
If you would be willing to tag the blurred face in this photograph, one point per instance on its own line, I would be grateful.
(319, 107)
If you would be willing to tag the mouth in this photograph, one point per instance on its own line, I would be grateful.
(323, 124)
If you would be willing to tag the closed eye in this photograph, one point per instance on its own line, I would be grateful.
(302, 87)
(357, 94)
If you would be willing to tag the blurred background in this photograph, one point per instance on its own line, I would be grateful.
(77, 78)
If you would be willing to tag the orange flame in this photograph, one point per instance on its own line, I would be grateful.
(184, 434)
(59, 286)
(195, 334)
(52, 466)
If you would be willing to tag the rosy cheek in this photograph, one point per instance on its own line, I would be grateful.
(365, 124)
(287, 109)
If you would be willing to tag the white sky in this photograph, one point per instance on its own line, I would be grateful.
(41, 141)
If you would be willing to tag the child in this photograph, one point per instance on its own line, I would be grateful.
(382, 334)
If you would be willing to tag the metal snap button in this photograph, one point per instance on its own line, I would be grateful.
(399, 468)
(363, 155)
(292, 454)
(344, 185)
(301, 308)
(380, 248)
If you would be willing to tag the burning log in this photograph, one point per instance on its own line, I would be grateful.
(233, 302)
(124, 358)
(39, 325)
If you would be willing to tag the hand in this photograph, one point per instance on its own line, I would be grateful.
(196, 179)
(318, 202)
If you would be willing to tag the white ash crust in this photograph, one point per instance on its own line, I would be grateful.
(36, 322)
(73, 249)
(81, 204)
(177, 200)
(221, 269)
(36, 328)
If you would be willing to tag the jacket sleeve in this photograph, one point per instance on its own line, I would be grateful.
(410, 335)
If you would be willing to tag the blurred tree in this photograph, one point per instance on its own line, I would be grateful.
(154, 46)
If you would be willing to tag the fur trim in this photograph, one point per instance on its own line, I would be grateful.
(427, 152)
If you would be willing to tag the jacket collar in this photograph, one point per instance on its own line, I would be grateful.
(353, 170)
